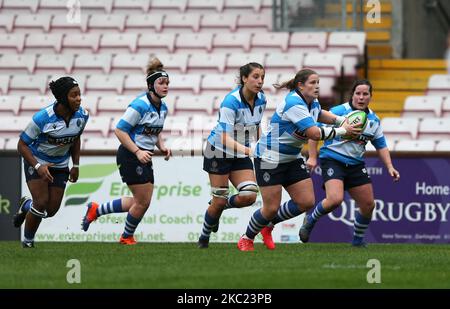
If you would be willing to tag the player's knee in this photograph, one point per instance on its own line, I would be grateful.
(218, 203)
(367, 207)
(40, 203)
(305, 204)
(335, 199)
(51, 213)
(247, 200)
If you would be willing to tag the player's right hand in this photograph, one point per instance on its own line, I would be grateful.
(144, 156)
(44, 173)
(352, 130)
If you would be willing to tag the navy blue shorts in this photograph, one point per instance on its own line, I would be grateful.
(285, 174)
(214, 162)
(131, 170)
(60, 175)
(351, 175)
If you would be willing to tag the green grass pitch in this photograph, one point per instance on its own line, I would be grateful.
(222, 266)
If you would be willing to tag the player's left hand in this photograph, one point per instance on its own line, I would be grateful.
(394, 174)
(74, 171)
(167, 153)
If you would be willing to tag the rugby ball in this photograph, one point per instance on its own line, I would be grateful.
(357, 118)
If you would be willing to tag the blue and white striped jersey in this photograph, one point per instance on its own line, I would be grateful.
(352, 151)
(50, 137)
(239, 120)
(143, 121)
(286, 134)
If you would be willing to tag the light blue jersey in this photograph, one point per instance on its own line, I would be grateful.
(352, 151)
(50, 137)
(286, 134)
(239, 120)
(143, 121)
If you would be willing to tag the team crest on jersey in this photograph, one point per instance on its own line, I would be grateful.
(303, 166)
(364, 170)
(54, 126)
(214, 165)
(266, 177)
(139, 170)
(260, 109)
(30, 170)
(330, 172)
(79, 122)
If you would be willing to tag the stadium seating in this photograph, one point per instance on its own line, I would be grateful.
(308, 42)
(232, 42)
(201, 43)
(195, 104)
(11, 143)
(32, 104)
(217, 5)
(10, 105)
(120, 42)
(218, 22)
(40, 43)
(434, 129)
(439, 84)
(143, 22)
(446, 107)
(81, 43)
(267, 42)
(160, 43)
(202, 125)
(60, 23)
(200, 63)
(142, 5)
(17, 63)
(130, 63)
(46, 63)
(100, 22)
(33, 23)
(93, 63)
(12, 126)
(113, 105)
(28, 84)
(415, 145)
(16, 41)
(93, 143)
(422, 106)
(443, 145)
(166, 5)
(400, 128)
(4, 84)
(7, 22)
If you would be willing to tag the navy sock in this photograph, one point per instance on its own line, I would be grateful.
(208, 225)
(110, 207)
(131, 224)
(360, 226)
(256, 224)
(286, 211)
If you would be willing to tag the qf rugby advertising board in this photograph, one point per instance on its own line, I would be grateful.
(414, 210)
